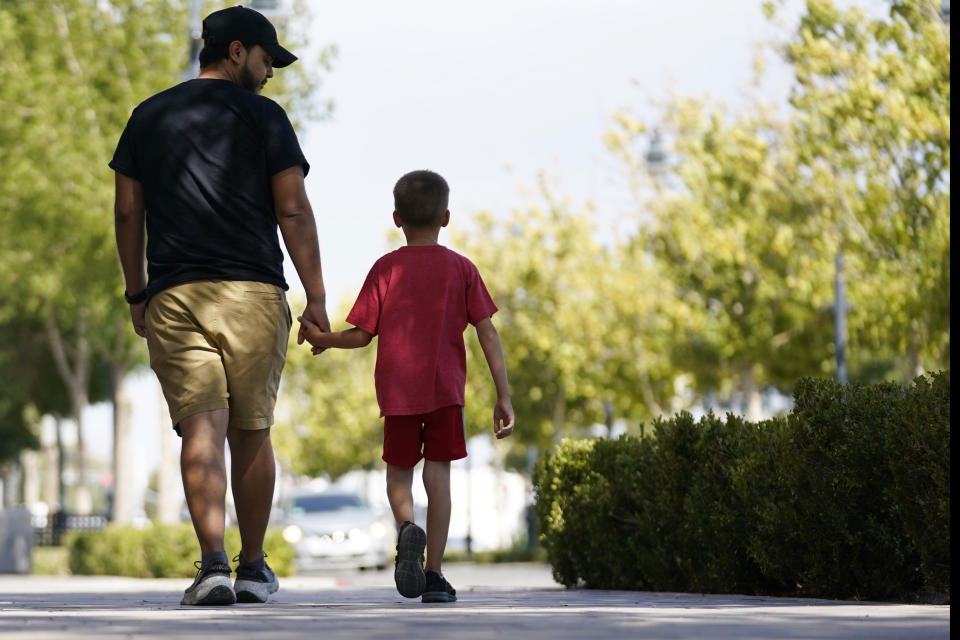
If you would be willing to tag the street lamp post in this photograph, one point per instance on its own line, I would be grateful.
(840, 318)
(656, 157)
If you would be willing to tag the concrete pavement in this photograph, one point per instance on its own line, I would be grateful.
(519, 600)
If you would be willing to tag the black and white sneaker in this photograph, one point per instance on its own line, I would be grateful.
(253, 584)
(211, 586)
(438, 589)
(408, 570)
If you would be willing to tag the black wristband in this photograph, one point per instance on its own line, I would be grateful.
(134, 299)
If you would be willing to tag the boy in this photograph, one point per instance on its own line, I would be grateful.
(419, 299)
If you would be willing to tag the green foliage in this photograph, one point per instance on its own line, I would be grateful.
(85, 64)
(846, 497)
(872, 100)
(50, 561)
(576, 321)
(159, 551)
(328, 419)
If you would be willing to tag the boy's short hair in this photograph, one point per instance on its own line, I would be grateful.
(420, 198)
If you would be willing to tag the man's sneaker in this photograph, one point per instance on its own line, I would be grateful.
(408, 571)
(211, 586)
(253, 584)
(438, 589)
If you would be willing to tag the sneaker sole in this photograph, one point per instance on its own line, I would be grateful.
(250, 591)
(215, 590)
(438, 596)
(408, 574)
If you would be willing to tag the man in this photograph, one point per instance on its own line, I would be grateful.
(213, 168)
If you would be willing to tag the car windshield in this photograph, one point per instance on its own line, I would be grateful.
(328, 502)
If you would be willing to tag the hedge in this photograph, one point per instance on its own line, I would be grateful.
(159, 551)
(846, 497)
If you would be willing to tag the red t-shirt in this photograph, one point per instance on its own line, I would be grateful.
(418, 300)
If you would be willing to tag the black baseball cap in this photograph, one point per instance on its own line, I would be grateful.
(249, 27)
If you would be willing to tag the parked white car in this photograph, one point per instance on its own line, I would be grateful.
(334, 529)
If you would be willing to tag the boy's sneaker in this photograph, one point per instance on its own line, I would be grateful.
(211, 586)
(438, 589)
(408, 570)
(254, 584)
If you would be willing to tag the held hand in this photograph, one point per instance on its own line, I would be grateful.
(310, 332)
(138, 315)
(503, 418)
(315, 313)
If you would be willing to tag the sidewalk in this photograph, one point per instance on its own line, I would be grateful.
(517, 601)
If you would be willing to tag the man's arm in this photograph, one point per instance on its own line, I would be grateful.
(299, 231)
(503, 418)
(128, 219)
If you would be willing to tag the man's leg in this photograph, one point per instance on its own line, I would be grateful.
(253, 475)
(400, 492)
(436, 480)
(204, 475)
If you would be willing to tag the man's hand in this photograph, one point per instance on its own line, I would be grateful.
(315, 312)
(138, 314)
(503, 418)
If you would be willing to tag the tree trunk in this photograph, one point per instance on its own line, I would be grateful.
(11, 488)
(82, 497)
(751, 395)
(73, 365)
(122, 465)
(559, 416)
(61, 465)
(31, 478)
(51, 482)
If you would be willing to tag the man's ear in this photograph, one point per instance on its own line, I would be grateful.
(396, 219)
(446, 218)
(236, 51)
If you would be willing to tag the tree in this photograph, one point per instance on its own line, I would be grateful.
(327, 410)
(872, 104)
(91, 62)
(576, 319)
(751, 308)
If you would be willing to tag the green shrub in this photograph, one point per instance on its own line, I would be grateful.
(159, 551)
(846, 497)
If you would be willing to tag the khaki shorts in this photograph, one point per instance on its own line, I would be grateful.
(219, 344)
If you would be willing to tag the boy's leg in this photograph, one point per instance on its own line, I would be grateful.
(436, 480)
(408, 570)
(400, 492)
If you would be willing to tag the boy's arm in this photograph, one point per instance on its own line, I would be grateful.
(347, 339)
(503, 418)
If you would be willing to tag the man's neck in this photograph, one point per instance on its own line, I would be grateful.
(215, 72)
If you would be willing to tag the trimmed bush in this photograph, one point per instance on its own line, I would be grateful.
(159, 551)
(846, 497)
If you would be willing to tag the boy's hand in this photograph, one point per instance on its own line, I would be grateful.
(310, 332)
(503, 418)
(316, 314)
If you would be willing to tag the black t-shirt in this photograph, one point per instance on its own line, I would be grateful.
(205, 151)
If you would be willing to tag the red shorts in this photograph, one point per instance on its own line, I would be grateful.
(436, 436)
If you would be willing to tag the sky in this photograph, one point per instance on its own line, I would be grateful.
(488, 95)
(491, 94)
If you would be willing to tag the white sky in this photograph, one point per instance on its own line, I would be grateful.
(490, 94)
(487, 94)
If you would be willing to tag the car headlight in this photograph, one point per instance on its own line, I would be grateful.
(377, 530)
(292, 534)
